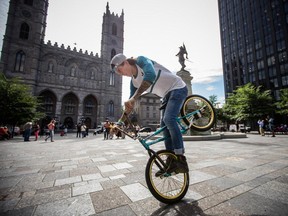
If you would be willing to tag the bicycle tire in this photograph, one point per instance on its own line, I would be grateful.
(167, 189)
(207, 119)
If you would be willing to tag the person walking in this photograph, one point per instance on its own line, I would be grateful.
(27, 131)
(261, 127)
(36, 131)
(271, 125)
(149, 76)
(51, 127)
(83, 130)
(78, 134)
(106, 129)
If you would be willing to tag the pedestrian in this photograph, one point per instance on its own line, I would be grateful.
(87, 131)
(147, 75)
(271, 125)
(51, 127)
(83, 130)
(65, 130)
(78, 134)
(261, 127)
(27, 131)
(106, 129)
(36, 131)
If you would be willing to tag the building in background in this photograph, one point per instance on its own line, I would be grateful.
(147, 110)
(73, 84)
(254, 39)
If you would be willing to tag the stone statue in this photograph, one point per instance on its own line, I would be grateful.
(181, 57)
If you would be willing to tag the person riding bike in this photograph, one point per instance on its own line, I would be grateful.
(149, 76)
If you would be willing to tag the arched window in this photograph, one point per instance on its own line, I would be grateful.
(20, 61)
(48, 105)
(69, 106)
(114, 29)
(88, 107)
(113, 53)
(112, 78)
(111, 108)
(24, 31)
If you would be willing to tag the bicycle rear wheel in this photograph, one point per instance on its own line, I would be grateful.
(198, 123)
(167, 188)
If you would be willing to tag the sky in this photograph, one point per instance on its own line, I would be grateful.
(153, 28)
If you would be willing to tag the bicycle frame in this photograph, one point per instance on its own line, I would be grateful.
(147, 142)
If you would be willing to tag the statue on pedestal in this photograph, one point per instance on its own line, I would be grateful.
(181, 57)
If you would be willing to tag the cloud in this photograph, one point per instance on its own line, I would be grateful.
(210, 88)
(207, 79)
(206, 75)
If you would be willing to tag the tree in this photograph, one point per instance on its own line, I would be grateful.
(282, 105)
(248, 103)
(213, 99)
(17, 105)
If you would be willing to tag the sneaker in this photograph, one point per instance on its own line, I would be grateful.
(168, 162)
(178, 166)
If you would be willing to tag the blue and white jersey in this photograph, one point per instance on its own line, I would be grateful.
(163, 80)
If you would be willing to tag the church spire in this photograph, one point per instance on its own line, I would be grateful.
(107, 8)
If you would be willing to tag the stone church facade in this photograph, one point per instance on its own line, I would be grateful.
(73, 85)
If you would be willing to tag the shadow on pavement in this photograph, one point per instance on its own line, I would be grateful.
(180, 208)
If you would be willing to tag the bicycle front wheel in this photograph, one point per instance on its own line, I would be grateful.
(206, 119)
(167, 188)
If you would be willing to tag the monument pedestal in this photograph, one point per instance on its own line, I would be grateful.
(187, 78)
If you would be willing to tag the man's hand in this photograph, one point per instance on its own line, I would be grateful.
(129, 105)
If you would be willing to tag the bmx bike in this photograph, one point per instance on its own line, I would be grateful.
(196, 113)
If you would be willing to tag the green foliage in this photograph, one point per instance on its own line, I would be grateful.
(282, 105)
(248, 103)
(213, 99)
(16, 102)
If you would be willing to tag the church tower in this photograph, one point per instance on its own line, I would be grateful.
(25, 31)
(112, 34)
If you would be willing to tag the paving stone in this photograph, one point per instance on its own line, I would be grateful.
(106, 168)
(85, 189)
(91, 176)
(109, 199)
(56, 175)
(117, 176)
(253, 204)
(197, 176)
(122, 165)
(120, 211)
(224, 209)
(224, 182)
(99, 159)
(136, 191)
(41, 198)
(112, 184)
(68, 180)
(27, 211)
(83, 171)
(80, 205)
(10, 204)
(273, 190)
(9, 181)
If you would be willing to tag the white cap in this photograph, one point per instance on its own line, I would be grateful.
(117, 60)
